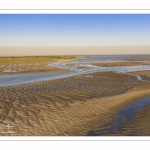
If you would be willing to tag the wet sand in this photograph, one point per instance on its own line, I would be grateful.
(140, 126)
(146, 59)
(116, 64)
(71, 106)
(145, 75)
(29, 68)
(32, 64)
(70, 59)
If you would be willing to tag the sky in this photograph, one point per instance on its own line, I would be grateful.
(74, 31)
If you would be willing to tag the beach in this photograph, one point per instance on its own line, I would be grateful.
(77, 98)
(68, 107)
(31, 65)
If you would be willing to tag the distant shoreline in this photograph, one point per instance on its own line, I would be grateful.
(35, 58)
(31, 65)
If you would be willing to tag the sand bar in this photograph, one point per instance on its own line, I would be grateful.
(71, 106)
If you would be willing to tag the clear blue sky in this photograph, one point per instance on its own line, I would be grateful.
(74, 30)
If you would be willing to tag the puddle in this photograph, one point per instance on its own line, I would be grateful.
(128, 114)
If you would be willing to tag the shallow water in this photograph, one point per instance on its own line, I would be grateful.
(102, 58)
(11, 80)
(80, 66)
(128, 114)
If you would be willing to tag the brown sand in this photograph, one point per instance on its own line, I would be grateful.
(140, 125)
(145, 75)
(116, 64)
(143, 72)
(71, 106)
(137, 59)
(32, 64)
(62, 60)
(28, 68)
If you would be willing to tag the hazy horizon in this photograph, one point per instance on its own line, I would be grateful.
(74, 34)
(51, 51)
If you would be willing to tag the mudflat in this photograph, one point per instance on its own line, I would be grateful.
(71, 106)
(146, 59)
(116, 64)
(27, 65)
(145, 75)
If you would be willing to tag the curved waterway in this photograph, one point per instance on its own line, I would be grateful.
(117, 123)
(77, 67)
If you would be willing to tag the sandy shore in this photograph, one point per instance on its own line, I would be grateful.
(64, 60)
(71, 106)
(137, 59)
(145, 75)
(116, 64)
(29, 68)
(31, 65)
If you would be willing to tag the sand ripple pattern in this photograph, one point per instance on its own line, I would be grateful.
(61, 107)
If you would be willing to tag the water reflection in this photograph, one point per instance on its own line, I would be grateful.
(80, 66)
(117, 123)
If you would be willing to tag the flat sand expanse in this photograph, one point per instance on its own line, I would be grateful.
(70, 59)
(144, 72)
(27, 65)
(116, 64)
(137, 59)
(29, 68)
(71, 106)
(145, 75)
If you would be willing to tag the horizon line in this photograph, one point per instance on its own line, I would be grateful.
(73, 55)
